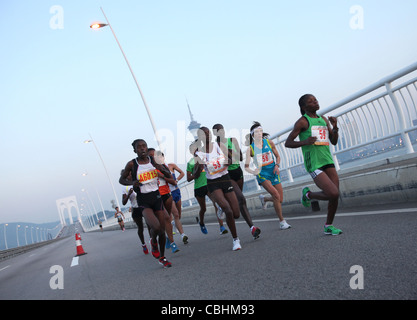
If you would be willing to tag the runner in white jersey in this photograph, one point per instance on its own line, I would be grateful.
(215, 164)
(129, 195)
(145, 184)
(120, 216)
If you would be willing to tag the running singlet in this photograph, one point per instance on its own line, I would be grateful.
(214, 162)
(263, 158)
(201, 181)
(318, 154)
(171, 186)
(163, 186)
(147, 176)
(236, 162)
(132, 197)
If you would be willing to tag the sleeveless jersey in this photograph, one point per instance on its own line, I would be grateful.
(163, 185)
(263, 158)
(214, 162)
(132, 198)
(318, 154)
(147, 176)
(236, 163)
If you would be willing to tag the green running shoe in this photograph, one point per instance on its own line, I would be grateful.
(332, 230)
(304, 200)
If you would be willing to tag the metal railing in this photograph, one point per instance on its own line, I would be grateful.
(375, 119)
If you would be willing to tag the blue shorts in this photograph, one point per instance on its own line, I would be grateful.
(176, 195)
(267, 175)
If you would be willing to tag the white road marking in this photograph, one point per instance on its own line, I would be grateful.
(348, 214)
(74, 261)
(4, 268)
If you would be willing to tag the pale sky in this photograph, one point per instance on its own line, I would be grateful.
(235, 61)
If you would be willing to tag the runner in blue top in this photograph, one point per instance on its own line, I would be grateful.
(262, 151)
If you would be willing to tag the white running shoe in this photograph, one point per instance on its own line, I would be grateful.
(284, 225)
(263, 203)
(236, 245)
(220, 212)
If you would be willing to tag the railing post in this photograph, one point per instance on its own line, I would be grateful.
(401, 118)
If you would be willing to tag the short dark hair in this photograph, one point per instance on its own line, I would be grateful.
(302, 102)
(135, 142)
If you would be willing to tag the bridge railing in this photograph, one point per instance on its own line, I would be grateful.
(375, 114)
(376, 119)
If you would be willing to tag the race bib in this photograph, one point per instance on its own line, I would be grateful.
(147, 176)
(216, 165)
(322, 135)
(265, 158)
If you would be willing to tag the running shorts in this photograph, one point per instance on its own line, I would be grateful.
(201, 192)
(316, 172)
(222, 183)
(176, 195)
(266, 175)
(152, 200)
(236, 174)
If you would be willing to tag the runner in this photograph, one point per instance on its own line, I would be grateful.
(200, 190)
(175, 191)
(230, 146)
(100, 224)
(164, 191)
(314, 134)
(261, 149)
(120, 216)
(145, 184)
(130, 195)
(168, 202)
(215, 164)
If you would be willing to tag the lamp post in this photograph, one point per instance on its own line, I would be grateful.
(17, 234)
(101, 25)
(26, 239)
(31, 233)
(98, 152)
(5, 238)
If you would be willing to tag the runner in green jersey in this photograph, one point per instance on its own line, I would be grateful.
(315, 134)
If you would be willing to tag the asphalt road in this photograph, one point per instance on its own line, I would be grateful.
(299, 263)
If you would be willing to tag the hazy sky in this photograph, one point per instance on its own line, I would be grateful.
(235, 61)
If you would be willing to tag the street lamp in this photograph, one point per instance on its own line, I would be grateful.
(26, 240)
(17, 234)
(101, 25)
(5, 239)
(102, 161)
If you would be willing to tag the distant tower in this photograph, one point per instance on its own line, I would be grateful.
(194, 125)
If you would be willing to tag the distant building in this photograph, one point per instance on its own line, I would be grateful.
(194, 125)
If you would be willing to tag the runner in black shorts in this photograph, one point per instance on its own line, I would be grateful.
(201, 191)
(130, 195)
(215, 164)
(145, 184)
(230, 147)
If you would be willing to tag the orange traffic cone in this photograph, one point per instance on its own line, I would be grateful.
(80, 250)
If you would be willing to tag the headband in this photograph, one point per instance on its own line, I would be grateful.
(253, 131)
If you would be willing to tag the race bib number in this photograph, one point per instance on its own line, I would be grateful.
(216, 165)
(265, 158)
(147, 176)
(322, 135)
